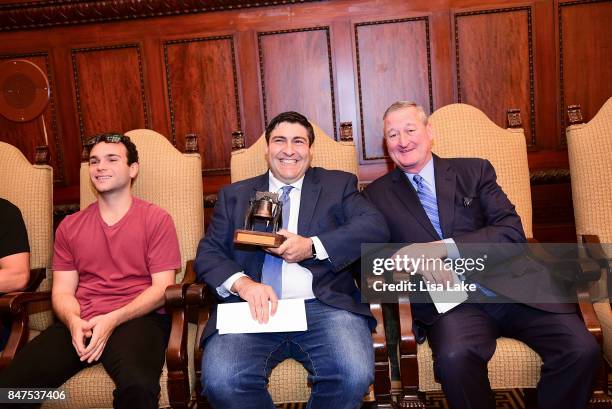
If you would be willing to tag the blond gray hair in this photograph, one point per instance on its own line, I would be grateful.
(397, 105)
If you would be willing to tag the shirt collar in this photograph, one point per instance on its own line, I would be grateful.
(275, 185)
(426, 173)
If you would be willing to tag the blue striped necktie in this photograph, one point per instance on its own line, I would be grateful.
(431, 208)
(272, 270)
(428, 200)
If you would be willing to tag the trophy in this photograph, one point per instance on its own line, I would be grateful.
(264, 212)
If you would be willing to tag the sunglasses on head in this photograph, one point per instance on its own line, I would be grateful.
(108, 138)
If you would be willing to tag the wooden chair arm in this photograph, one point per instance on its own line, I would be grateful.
(199, 299)
(597, 253)
(190, 275)
(19, 305)
(587, 312)
(409, 368)
(176, 352)
(177, 357)
(382, 377)
(16, 302)
(36, 277)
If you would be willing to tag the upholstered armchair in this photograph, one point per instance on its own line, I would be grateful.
(464, 131)
(288, 381)
(590, 149)
(30, 188)
(173, 181)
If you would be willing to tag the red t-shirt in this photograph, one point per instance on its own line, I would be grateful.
(115, 262)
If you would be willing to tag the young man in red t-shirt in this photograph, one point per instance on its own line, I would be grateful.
(112, 263)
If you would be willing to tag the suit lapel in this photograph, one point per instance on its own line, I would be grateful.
(311, 189)
(262, 183)
(406, 194)
(446, 180)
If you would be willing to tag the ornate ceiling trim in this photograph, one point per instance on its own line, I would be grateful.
(46, 13)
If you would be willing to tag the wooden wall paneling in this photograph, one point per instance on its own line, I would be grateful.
(297, 75)
(545, 73)
(345, 76)
(585, 56)
(553, 213)
(249, 91)
(27, 135)
(109, 86)
(393, 59)
(442, 65)
(156, 86)
(494, 63)
(201, 75)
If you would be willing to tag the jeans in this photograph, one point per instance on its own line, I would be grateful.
(336, 350)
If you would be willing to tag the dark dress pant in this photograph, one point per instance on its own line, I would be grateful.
(133, 357)
(463, 341)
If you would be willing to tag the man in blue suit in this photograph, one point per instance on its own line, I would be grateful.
(327, 222)
(457, 202)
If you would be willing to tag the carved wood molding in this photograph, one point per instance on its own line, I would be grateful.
(168, 43)
(346, 131)
(532, 114)
(560, 6)
(41, 14)
(330, 67)
(58, 171)
(513, 117)
(238, 141)
(427, 44)
(574, 114)
(549, 176)
(75, 73)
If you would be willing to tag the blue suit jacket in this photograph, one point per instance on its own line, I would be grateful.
(331, 208)
(489, 218)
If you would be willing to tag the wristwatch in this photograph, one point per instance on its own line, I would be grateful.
(314, 250)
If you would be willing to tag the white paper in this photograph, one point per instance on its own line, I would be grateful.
(443, 307)
(235, 318)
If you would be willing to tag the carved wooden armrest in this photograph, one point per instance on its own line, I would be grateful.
(382, 379)
(587, 312)
(176, 306)
(19, 305)
(36, 277)
(407, 353)
(197, 297)
(597, 253)
(17, 302)
(176, 352)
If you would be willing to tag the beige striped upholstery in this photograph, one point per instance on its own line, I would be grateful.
(464, 131)
(514, 365)
(30, 188)
(590, 151)
(173, 181)
(288, 379)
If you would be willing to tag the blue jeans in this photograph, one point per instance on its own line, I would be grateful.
(336, 350)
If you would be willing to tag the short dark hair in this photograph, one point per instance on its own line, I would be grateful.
(115, 137)
(293, 118)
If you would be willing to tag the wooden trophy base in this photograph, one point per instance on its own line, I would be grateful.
(258, 238)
